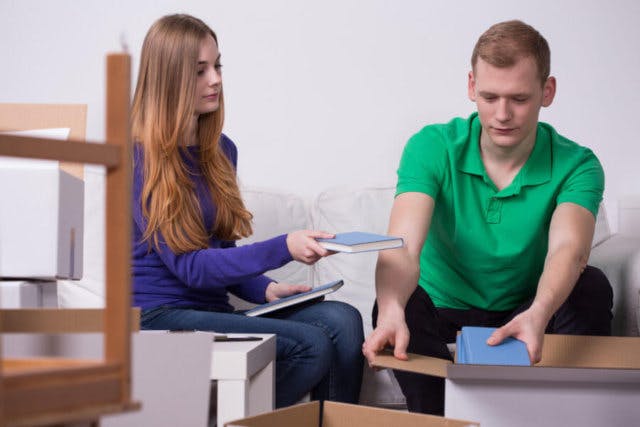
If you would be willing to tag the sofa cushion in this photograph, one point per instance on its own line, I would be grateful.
(350, 209)
(602, 231)
(276, 213)
(341, 210)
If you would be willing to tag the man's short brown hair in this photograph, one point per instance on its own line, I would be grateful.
(507, 42)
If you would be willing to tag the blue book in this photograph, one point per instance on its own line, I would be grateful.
(358, 241)
(461, 357)
(475, 351)
(316, 293)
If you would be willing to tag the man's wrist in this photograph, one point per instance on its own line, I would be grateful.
(541, 312)
(390, 309)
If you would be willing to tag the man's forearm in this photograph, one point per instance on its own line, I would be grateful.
(396, 279)
(561, 272)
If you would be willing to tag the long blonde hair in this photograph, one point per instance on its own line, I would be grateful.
(162, 113)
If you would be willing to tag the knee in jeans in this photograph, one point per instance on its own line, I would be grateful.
(318, 348)
(594, 287)
(344, 320)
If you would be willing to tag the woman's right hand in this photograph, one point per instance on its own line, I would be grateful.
(303, 246)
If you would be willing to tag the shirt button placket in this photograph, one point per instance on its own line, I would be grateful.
(494, 210)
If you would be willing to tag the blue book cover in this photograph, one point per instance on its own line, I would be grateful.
(358, 241)
(476, 351)
(460, 356)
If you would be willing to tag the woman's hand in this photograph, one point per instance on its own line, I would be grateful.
(276, 291)
(303, 246)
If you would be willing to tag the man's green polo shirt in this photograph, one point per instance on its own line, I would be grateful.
(486, 248)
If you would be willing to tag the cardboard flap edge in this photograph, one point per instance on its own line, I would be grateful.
(417, 363)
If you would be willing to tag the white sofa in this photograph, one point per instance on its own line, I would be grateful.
(367, 209)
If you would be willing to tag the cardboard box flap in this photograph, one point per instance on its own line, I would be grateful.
(345, 415)
(306, 414)
(416, 363)
(590, 352)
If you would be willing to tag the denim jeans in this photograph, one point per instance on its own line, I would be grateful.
(318, 346)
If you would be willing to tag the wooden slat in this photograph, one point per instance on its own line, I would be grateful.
(33, 365)
(66, 390)
(118, 222)
(34, 394)
(58, 321)
(52, 149)
(21, 117)
(2, 387)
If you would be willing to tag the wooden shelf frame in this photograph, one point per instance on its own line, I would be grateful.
(49, 391)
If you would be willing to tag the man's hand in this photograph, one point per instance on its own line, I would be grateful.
(528, 327)
(397, 273)
(391, 330)
(570, 235)
(276, 290)
(303, 246)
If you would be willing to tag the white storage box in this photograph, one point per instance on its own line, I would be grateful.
(584, 381)
(20, 294)
(41, 220)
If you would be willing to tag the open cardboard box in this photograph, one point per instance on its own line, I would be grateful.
(580, 381)
(332, 414)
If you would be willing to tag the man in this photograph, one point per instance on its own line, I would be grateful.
(497, 212)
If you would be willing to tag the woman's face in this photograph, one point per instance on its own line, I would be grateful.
(209, 77)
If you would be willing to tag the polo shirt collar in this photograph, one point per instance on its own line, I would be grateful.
(536, 170)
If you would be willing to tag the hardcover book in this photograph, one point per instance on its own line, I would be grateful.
(472, 348)
(316, 293)
(358, 241)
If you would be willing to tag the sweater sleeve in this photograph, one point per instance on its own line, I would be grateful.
(215, 266)
(252, 290)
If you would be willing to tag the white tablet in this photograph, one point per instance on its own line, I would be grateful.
(278, 304)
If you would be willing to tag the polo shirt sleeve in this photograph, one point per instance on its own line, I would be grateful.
(585, 185)
(423, 163)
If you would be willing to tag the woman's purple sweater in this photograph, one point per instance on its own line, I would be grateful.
(200, 278)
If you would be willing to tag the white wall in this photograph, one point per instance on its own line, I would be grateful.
(325, 93)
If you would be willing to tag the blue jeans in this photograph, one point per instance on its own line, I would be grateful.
(318, 346)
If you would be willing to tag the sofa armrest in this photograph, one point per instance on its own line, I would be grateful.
(619, 258)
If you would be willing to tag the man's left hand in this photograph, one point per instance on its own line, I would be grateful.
(528, 327)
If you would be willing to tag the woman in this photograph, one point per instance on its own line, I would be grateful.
(188, 213)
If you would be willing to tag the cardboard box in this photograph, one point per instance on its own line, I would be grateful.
(344, 415)
(581, 381)
(41, 220)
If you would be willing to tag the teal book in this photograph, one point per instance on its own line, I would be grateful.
(474, 350)
(358, 241)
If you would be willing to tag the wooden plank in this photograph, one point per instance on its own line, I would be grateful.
(118, 222)
(59, 321)
(20, 117)
(58, 390)
(86, 416)
(28, 366)
(52, 149)
(33, 394)
(2, 387)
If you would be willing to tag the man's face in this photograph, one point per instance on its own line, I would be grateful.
(509, 101)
